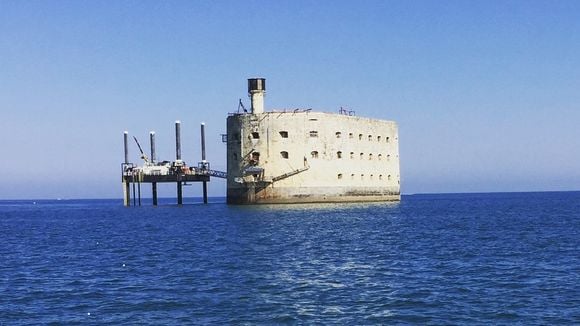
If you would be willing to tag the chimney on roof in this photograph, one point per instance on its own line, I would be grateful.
(256, 92)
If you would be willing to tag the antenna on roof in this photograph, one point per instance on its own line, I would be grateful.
(241, 105)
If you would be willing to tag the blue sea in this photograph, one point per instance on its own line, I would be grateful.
(505, 258)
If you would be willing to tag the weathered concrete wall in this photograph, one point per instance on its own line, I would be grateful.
(349, 158)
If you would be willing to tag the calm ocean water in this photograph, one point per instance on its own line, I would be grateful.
(431, 259)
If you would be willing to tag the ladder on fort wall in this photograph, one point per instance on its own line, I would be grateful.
(289, 174)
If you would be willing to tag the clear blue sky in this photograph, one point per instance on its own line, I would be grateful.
(486, 93)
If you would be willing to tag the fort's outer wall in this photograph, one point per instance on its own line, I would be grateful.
(350, 158)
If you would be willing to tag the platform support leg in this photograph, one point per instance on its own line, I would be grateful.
(139, 192)
(179, 193)
(154, 192)
(126, 194)
(204, 162)
(134, 195)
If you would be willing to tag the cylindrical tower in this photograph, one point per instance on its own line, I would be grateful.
(256, 92)
(178, 140)
(126, 143)
(152, 143)
(203, 142)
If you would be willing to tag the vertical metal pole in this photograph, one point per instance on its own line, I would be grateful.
(126, 186)
(126, 143)
(178, 157)
(153, 160)
(204, 185)
(152, 141)
(203, 142)
(179, 193)
(139, 190)
(133, 182)
(178, 140)
(126, 192)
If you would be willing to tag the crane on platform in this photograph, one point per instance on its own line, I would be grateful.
(143, 155)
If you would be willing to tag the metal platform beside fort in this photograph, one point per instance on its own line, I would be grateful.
(154, 172)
